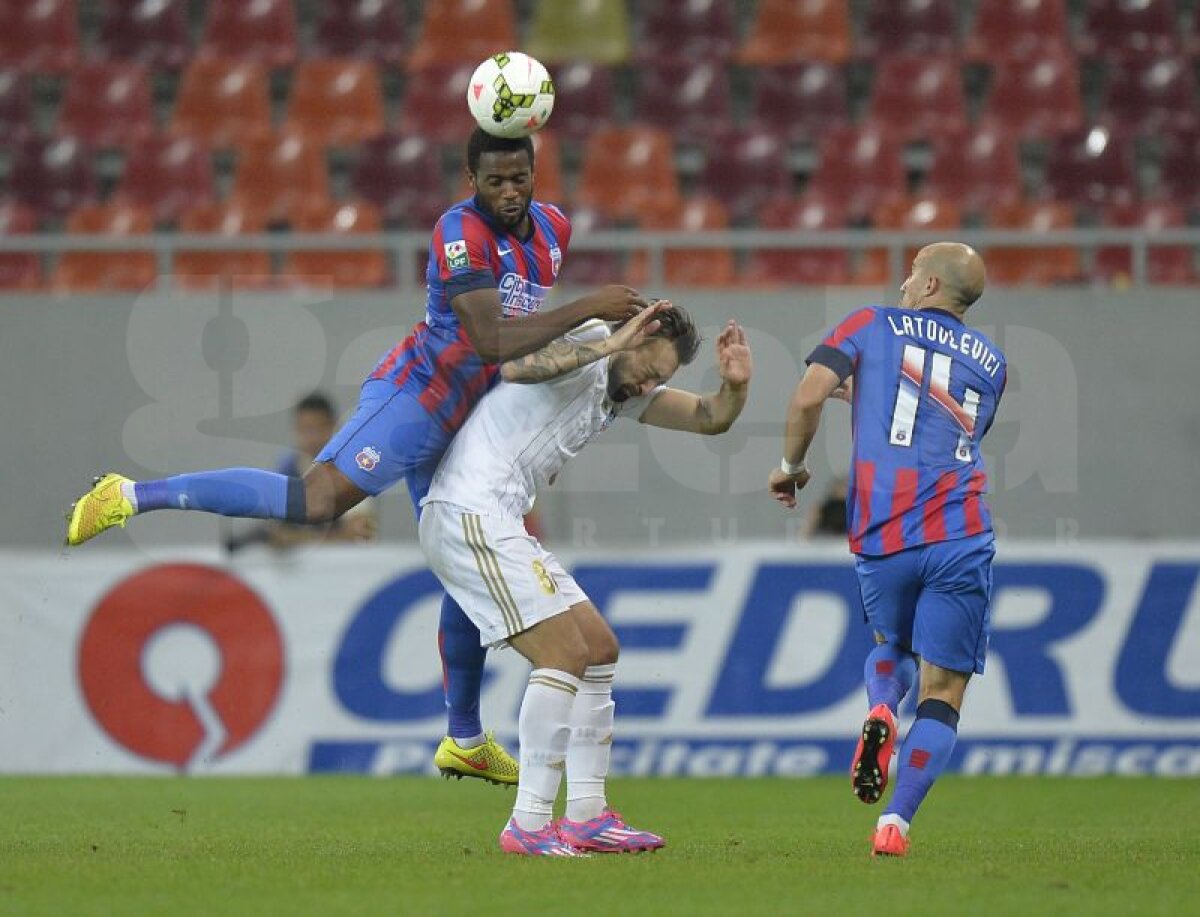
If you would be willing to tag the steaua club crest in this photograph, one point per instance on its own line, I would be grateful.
(367, 459)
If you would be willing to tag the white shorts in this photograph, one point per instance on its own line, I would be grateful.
(499, 574)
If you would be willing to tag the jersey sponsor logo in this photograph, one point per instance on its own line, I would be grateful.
(520, 296)
(456, 254)
(368, 458)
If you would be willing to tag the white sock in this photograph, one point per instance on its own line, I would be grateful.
(544, 729)
(470, 741)
(129, 494)
(893, 819)
(591, 744)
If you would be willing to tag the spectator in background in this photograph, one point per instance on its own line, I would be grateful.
(829, 516)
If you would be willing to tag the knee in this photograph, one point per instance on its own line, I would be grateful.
(604, 649)
(320, 502)
(573, 657)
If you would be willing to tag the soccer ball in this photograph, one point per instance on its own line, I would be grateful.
(511, 95)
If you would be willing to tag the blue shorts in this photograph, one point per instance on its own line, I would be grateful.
(389, 437)
(934, 599)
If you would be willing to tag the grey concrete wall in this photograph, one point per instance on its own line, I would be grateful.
(1097, 437)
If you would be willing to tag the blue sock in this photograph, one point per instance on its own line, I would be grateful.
(925, 753)
(889, 674)
(246, 492)
(462, 670)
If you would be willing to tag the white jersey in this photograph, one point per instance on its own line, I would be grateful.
(520, 435)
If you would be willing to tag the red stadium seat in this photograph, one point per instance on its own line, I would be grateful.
(744, 169)
(628, 170)
(699, 30)
(1090, 167)
(262, 32)
(336, 102)
(434, 104)
(583, 99)
(863, 165)
(367, 29)
(804, 267)
(688, 100)
(1179, 179)
(693, 267)
(223, 103)
(18, 270)
(797, 31)
(1036, 98)
(108, 105)
(40, 37)
(202, 270)
(979, 168)
(1112, 28)
(16, 107)
(52, 176)
(1039, 266)
(1005, 30)
(168, 175)
(401, 174)
(281, 176)
(798, 102)
(343, 270)
(589, 268)
(910, 27)
(919, 96)
(1165, 264)
(463, 32)
(153, 33)
(916, 213)
(92, 272)
(1152, 94)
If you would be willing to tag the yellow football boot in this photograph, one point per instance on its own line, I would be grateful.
(100, 508)
(488, 761)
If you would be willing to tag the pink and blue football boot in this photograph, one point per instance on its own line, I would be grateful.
(607, 833)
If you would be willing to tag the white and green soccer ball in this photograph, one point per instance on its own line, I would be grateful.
(511, 95)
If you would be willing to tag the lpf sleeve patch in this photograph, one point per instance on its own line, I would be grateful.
(456, 254)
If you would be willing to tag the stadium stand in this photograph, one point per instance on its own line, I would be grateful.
(1179, 178)
(1090, 168)
(918, 213)
(393, 173)
(153, 33)
(1017, 266)
(979, 168)
(1036, 97)
(590, 268)
(94, 272)
(584, 96)
(918, 96)
(810, 213)
(786, 32)
(628, 171)
(198, 270)
(223, 103)
(700, 30)
(280, 175)
(19, 270)
(168, 175)
(569, 30)
(261, 32)
(368, 29)
(862, 165)
(744, 169)
(694, 267)
(108, 104)
(910, 27)
(1006, 31)
(52, 176)
(691, 101)
(1112, 28)
(336, 102)
(16, 106)
(1165, 264)
(338, 269)
(41, 37)
(1149, 94)
(799, 102)
(433, 103)
(463, 32)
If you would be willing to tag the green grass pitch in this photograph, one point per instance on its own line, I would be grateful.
(343, 845)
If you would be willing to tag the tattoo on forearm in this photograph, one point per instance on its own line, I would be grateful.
(554, 360)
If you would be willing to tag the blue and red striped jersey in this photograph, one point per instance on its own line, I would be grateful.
(470, 251)
(926, 389)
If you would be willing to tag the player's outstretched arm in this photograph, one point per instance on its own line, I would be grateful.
(803, 418)
(715, 412)
(497, 339)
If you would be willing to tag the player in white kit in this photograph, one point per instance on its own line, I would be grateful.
(517, 593)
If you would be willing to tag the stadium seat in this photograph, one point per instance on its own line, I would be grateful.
(433, 104)
(237, 269)
(108, 105)
(94, 272)
(979, 168)
(797, 31)
(798, 102)
(344, 270)
(167, 175)
(1113, 28)
(1165, 264)
(39, 37)
(589, 268)
(863, 165)
(1005, 31)
(922, 213)
(744, 169)
(401, 174)
(804, 267)
(690, 101)
(223, 103)
(464, 32)
(1090, 167)
(260, 31)
(571, 30)
(1036, 98)
(16, 107)
(627, 170)
(693, 267)
(698, 30)
(280, 175)
(153, 33)
(909, 27)
(1179, 178)
(18, 270)
(52, 176)
(1151, 94)
(1014, 266)
(918, 96)
(336, 102)
(367, 29)
(584, 96)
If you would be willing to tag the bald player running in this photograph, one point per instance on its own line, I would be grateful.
(925, 392)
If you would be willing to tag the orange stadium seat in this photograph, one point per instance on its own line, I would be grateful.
(861, 164)
(344, 270)
(627, 170)
(694, 267)
(1004, 30)
(798, 102)
(1113, 28)
(367, 29)
(910, 27)
(979, 168)
(336, 102)
(570, 30)
(691, 101)
(261, 31)
(804, 267)
(401, 174)
(167, 175)
(797, 31)
(744, 169)
(108, 105)
(1179, 179)
(18, 270)
(1151, 94)
(202, 270)
(464, 32)
(695, 31)
(433, 104)
(1165, 264)
(39, 37)
(52, 176)
(1013, 266)
(280, 175)
(92, 272)
(584, 95)
(223, 103)
(153, 33)
(916, 213)
(16, 106)
(1038, 97)
(918, 96)
(1090, 167)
